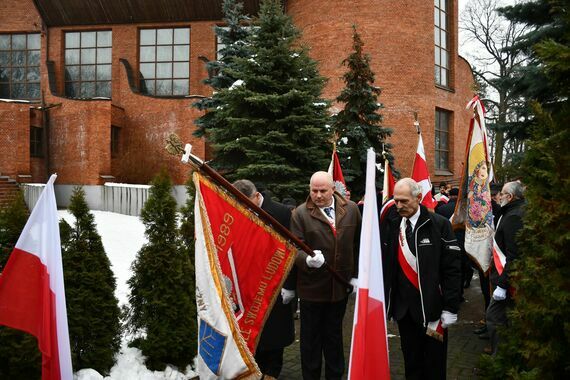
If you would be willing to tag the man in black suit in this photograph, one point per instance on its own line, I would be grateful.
(279, 329)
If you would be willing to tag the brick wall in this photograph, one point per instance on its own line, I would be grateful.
(398, 36)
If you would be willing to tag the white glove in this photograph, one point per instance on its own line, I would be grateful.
(500, 294)
(354, 283)
(316, 261)
(447, 319)
(287, 295)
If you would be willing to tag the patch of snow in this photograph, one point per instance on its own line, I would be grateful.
(237, 84)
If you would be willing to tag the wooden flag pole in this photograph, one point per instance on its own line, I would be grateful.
(174, 146)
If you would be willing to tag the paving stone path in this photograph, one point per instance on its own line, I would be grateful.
(464, 347)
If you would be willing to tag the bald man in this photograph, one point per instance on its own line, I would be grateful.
(330, 224)
(422, 276)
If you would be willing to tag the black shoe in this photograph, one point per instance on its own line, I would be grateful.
(467, 284)
(480, 330)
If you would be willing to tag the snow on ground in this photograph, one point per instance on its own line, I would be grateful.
(122, 237)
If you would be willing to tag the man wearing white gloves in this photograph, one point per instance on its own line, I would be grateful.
(279, 329)
(330, 225)
(422, 276)
(504, 252)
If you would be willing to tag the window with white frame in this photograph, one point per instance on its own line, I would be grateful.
(441, 36)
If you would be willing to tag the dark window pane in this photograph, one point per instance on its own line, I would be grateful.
(4, 74)
(104, 89)
(4, 90)
(87, 89)
(18, 74)
(34, 41)
(443, 138)
(147, 54)
(33, 58)
(180, 70)
(88, 39)
(18, 41)
(72, 89)
(147, 86)
(164, 70)
(103, 72)
(87, 56)
(181, 53)
(33, 74)
(5, 42)
(437, 160)
(71, 40)
(5, 58)
(180, 87)
(72, 73)
(88, 72)
(72, 57)
(18, 91)
(18, 58)
(104, 38)
(34, 90)
(104, 55)
(148, 37)
(147, 70)
(182, 36)
(437, 140)
(164, 36)
(164, 53)
(163, 87)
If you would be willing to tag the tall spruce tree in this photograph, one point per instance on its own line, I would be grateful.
(234, 40)
(536, 344)
(358, 125)
(92, 307)
(20, 358)
(274, 128)
(162, 312)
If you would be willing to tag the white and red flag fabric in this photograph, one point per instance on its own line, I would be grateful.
(241, 264)
(32, 293)
(369, 348)
(420, 174)
(335, 171)
(474, 210)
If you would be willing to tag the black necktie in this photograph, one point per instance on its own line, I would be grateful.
(329, 211)
(410, 235)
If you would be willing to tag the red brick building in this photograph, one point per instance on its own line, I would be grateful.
(90, 90)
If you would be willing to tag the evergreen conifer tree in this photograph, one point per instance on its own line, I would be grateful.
(19, 354)
(274, 128)
(162, 312)
(358, 125)
(536, 344)
(234, 40)
(92, 307)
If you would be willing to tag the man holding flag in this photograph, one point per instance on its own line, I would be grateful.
(329, 224)
(422, 275)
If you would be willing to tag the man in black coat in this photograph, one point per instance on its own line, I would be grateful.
(446, 210)
(279, 329)
(508, 226)
(421, 261)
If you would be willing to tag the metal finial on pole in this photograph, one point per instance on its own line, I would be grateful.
(417, 123)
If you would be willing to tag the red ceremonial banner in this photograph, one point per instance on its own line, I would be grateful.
(253, 258)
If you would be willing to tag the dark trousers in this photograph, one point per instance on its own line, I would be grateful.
(270, 362)
(321, 334)
(485, 287)
(425, 358)
(496, 316)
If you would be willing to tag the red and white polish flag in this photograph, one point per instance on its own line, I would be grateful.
(32, 293)
(420, 174)
(369, 349)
